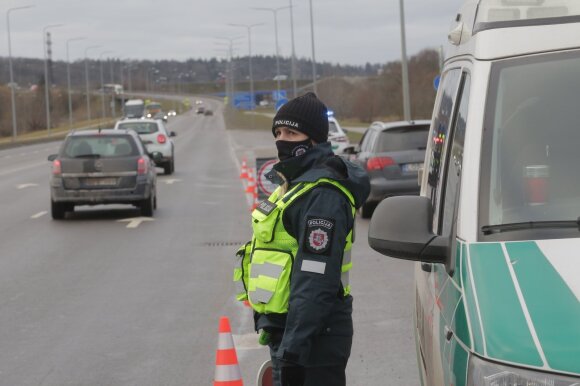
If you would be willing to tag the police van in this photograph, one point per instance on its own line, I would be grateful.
(496, 231)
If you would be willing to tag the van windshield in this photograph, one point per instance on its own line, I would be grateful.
(531, 148)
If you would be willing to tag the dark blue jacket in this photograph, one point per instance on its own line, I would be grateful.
(319, 314)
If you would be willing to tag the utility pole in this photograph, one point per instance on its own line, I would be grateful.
(249, 28)
(47, 80)
(405, 71)
(313, 53)
(293, 59)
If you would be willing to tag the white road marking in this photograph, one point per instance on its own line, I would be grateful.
(38, 215)
(470, 272)
(27, 185)
(171, 181)
(135, 221)
(16, 170)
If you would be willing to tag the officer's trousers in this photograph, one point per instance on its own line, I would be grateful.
(311, 376)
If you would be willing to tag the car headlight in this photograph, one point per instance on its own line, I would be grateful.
(483, 373)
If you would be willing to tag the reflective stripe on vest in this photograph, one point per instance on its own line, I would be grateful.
(273, 251)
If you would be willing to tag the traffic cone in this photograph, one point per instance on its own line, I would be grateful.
(251, 188)
(227, 368)
(244, 173)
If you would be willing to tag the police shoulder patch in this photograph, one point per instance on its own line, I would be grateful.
(318, 235)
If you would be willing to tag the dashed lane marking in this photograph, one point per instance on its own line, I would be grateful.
(27, 185)
(38, 215)
(136, 221)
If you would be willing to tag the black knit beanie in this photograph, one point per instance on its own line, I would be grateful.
(306, 114)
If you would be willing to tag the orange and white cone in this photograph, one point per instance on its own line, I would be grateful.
(251, 188)
(244, 173)
(227, 368)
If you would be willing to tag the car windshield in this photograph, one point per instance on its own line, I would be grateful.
(100, 146)
(140, 127)
(332, 128)
(404, 139)
(531, 146)
(508, 10)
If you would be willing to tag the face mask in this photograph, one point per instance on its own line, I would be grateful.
(289, 149)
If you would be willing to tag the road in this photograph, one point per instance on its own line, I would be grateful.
(103, 299)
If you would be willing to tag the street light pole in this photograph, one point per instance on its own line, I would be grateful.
(230, 79)
(103, 83)
(293, 59)
(70, 119)
(47, 83)
(275, 13)
(405, 71)
(87, 81)
(249, 28)
(313, 53)
(12, 92)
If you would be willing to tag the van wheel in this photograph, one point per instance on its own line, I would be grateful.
(366, 211)
(57, 210)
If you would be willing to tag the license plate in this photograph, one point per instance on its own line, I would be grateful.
(100, 181)
(412, 167)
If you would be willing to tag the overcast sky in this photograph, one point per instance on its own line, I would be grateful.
(346, 32)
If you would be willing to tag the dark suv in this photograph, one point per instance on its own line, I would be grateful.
(102, 167)
(392, 153)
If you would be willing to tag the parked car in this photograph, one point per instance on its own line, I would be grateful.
(392, 154)
(102, 167)
(495, 231)
(155, 137)
(208, 112)
(337, 136)
(200, 110)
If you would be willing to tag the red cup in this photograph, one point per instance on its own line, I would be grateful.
(536, 177)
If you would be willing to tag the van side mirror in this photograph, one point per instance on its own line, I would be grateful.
(401, 227)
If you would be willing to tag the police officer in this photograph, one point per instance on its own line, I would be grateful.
(294, 272)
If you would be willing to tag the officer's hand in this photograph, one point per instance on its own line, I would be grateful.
(292, 375)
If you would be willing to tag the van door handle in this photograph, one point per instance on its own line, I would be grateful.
(427, 267)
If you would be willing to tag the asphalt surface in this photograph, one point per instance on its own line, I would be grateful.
(107, 298)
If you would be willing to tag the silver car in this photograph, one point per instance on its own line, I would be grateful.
(155, 137)
(102, 167)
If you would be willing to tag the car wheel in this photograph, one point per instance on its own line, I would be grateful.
(366, 211)
(148, 205)
(57, 210)
(168, 168)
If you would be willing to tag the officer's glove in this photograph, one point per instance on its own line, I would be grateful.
(292, 375)
(265, 338)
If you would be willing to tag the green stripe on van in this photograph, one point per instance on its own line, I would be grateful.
(553, 307)
(507, 336)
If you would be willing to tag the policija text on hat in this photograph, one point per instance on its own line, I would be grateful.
(295, 270)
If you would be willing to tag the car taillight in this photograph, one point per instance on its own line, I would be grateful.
(141, 166)
(161, 139)
(56, 167)
(340, 139)
(379, 163)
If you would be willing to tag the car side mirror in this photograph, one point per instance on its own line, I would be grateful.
(52, 157)
(172, 134)
(401, 227)
(349, 150)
